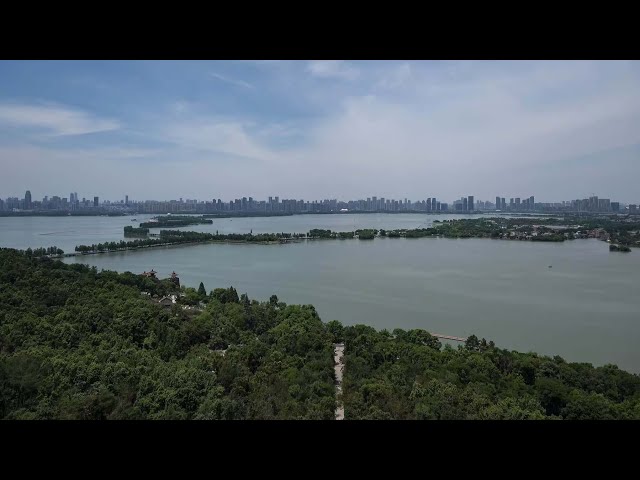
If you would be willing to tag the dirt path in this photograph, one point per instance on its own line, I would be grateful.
(338, 358)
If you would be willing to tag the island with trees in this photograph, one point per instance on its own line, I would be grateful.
(176, 221)
(78, 343)
(619, 248)
(130, 231)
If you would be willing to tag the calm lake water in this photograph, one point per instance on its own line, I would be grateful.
(586, 308)
(68, 232)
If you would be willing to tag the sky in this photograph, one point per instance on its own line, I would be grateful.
(156, 130)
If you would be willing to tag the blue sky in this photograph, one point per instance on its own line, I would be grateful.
(320, 129)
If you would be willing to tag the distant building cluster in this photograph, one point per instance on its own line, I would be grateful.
(70, 203)
(591, 204)
(516, 204)
(273, 205)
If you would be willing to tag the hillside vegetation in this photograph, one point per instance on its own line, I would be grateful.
(78, 343)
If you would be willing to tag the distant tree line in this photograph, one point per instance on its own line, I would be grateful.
(622, 232)
(176, 221)
(38, 252)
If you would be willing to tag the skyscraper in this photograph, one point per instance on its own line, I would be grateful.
(95, 201)
(498, 203)
(126, 199)
(27, 200)
(470, 205)
(604, 204)
(465, 206)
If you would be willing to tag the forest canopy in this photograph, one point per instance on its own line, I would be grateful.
(78, 343)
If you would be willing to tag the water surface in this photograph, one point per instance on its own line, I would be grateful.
(585, 308)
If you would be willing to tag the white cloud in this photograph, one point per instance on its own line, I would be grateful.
(240, 83)
(396, 78)
(216, 137)
(333, 69)
(57, 120)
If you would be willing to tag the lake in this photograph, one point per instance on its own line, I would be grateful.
(585, 308)
(68, 232)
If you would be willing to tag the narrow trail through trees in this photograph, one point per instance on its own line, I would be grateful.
(338, 358)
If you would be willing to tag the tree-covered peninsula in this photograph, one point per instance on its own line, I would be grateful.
(78, 343)
(624, 233)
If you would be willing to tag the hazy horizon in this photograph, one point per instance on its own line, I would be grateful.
(559, 130)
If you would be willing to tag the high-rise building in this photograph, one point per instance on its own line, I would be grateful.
(517, 203)
(532, 203)
(428, 204)
(604, 204)
(126, 199)
(504, 204)
(27, 200)
(498, 203)
(615, 206)
(434, 204)
(465, 206)
(95, 201)
(470, 205)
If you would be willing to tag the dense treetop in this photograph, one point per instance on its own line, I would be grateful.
(408, 375)
(78, 343)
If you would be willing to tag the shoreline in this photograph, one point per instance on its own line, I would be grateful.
(301, 240)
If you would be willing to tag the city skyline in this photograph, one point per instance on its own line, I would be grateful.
(275, 204)
(315, 129)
